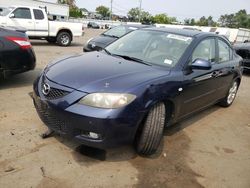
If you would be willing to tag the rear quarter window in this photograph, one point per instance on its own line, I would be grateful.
(225, 52)
(38, 14)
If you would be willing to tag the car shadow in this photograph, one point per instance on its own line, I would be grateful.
(190, 120)
(20, 80)
(246, 73)
(45, 43)
(83, 154)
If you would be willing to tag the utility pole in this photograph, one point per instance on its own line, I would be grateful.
(140, 10)
(111, 9)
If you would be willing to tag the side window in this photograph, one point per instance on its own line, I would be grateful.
(38, 14)
(224, 51)
(205, 50)
(23, 13)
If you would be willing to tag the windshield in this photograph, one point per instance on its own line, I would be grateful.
(5, 11)
(154, 47)
(117, 31)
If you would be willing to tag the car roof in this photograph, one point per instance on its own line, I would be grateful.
(186, 32)
(138, 25)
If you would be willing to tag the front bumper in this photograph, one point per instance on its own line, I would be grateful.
(75, 121)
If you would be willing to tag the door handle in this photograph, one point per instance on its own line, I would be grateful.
(215, 74)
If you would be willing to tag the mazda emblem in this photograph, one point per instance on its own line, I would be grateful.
(46, 89)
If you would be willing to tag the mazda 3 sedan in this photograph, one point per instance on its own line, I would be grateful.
(16, 52)
(141, 83)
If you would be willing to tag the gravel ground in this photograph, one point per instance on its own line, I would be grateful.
(210, 149)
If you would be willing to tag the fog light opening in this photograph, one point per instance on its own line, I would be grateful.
(91, 135)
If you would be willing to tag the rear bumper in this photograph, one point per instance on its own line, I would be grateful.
(17, 61)
(7, 73)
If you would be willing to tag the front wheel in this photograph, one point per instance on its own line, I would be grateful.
(229, 99)
(152, 131)
(63, 39)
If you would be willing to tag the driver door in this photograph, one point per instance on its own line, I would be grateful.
(199, 86)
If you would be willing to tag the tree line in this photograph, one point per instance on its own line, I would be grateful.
(234, 20)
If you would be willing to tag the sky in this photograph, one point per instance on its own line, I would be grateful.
(176, 8)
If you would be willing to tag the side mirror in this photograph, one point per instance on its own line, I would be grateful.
(201, 64)
(12, 15)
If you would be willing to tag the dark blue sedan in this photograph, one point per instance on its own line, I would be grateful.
(141, 83)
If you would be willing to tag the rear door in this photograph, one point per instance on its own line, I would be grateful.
(41, 23)
(22, 17)
(223, 68)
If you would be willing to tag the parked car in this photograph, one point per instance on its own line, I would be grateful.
(93, 25)
(35, 21)
(106, 38)
(145, 81)
(16, 53)
(243, 50)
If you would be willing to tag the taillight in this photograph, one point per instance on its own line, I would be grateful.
(24, 43)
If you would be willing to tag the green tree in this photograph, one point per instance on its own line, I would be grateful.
(75, 12)
(102, 10)
(228, 20)
(190, 21)
(162, 19)
(242, 19)
(134, 14)
(146, 17)
(71, 3)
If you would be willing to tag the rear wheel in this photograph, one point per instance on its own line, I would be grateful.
(64, 39)
(229, 99)
(152, 132)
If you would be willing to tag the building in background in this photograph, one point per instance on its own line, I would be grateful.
(54, 10)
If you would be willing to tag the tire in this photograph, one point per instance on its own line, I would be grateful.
(64, 39)
(152, 132)
(229, 99)
(51, 40)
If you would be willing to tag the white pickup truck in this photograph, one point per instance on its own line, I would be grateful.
(38, 26)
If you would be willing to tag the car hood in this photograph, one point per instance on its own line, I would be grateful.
(103, 40)
(98, 72)
(242, 46)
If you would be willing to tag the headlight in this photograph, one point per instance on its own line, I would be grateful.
(107, 100)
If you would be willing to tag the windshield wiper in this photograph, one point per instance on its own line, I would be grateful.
(114, 36)
(108, 52)
(133, 59)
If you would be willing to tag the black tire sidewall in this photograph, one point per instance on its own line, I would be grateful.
(152, 131)
(59, 36)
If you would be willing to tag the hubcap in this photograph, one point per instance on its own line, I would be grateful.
(232, 93)
(65, 39)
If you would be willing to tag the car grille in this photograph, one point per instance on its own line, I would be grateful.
(55, 93)
(51, 117)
